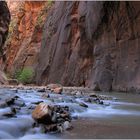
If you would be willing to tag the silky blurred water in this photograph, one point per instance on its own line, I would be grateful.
(116, 114)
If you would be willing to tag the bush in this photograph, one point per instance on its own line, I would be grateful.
(25, 76)
(50, 2)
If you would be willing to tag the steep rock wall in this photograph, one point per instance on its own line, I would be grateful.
(4, 23)
(23, 44)
(92, 44)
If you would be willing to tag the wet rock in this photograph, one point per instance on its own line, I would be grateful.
(10, 100)
(42, 113)
(93, 95)
(46, 95)
(41, 90)
(19, 103)
(83, 104)
(60, 128)
(67, 125)
(54, 117)
(60, 120)
(78, 93)
(38, 102)
(88, 100)
(64, 115)
(31, 106)
(101, 102)
(98, 101)
(56, 88)
(49, 128)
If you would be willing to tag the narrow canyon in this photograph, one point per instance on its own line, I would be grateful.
(69, 69)
(90, 44)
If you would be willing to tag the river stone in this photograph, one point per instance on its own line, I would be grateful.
(54, 117)
(83, 104)
(19, 103)
(49, 128)
(56, 88)
(46, 95)
(93, 95)
(41, 90)
(10, 100)
(42, 113)
(67, 125)
(78, 93)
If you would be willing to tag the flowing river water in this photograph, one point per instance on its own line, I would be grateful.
(119, 117)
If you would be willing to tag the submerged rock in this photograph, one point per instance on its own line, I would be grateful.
(83, 104)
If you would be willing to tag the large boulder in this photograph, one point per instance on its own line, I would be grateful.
(42, 113)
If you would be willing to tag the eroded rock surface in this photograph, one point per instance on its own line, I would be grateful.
(23, 44)
(86, 43)
(92, 44)
(4, 23)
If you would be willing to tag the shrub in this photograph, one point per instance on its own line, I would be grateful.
(50, 2)
(25, 76)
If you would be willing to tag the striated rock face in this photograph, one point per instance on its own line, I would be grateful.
(4, 23)
(23, 44)
(91, 44)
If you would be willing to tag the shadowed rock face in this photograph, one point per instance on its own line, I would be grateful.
(4, 23)
(92, 44)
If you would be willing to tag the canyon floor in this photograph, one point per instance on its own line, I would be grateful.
(116, 117)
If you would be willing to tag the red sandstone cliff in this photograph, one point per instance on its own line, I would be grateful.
(83, 43)
(24, 41)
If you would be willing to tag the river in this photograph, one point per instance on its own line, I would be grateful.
(119, 117)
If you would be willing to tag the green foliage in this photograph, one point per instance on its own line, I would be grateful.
(50, 2)
(40, 21)
(25, 76)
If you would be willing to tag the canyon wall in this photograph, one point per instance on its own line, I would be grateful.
(24, 41)
(4, 23)
(92, 44)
